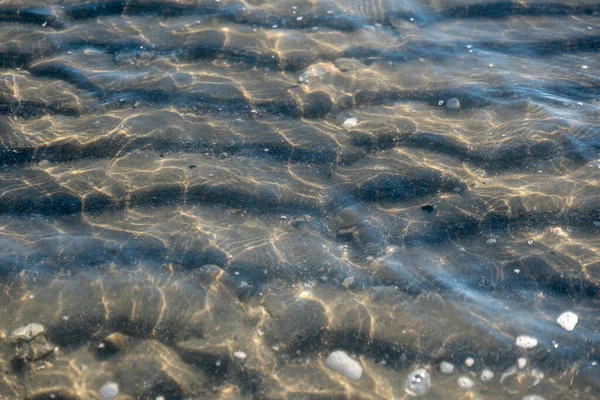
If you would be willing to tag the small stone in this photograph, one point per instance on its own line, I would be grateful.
(469, 362)
(465, 383)
(522, 362)
(491, 241)
(446, 367)
(341, 362)
(533, 397)
(28, 332)
(350, 123)
(486, 375)
(584, 67)
(453, 104)
(526, 342)
(567, 320)
(418, 382)
(110, 390)
(240, 354)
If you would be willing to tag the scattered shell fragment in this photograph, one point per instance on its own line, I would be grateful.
(110, 390)
(526, 342)
(28, 332)
(418, 382)
(446, 367)
(350, 123)
(486, 375)
(567, 320)
(465, 382)
(341, 362)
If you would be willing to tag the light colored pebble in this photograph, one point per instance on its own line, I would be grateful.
(469, 362)
(28, 332)
(533, 397)
(350, 123)
(341, 362)
(526, 342)
(486, 375)
(110, 390)
(465, 382)
(418, 382)
(240, 354)
(446, 367)
(491, 241)
(567, 320)
(522, 362)
(453, 104)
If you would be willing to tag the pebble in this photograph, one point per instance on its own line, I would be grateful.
(240, 354)
(28, 332)
(341, 362)
(486, 375)
(491, 241)
(110, 390)
(418, 382)
(522, 362)
(350, 123)
(567, 320)
(533, 397)
(526, 342)
(469, 362)
(446, 367)
(465, 382)
(453, 104)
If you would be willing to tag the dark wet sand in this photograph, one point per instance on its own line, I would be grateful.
(208, 199)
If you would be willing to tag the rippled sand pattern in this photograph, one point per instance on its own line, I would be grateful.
(336, 199)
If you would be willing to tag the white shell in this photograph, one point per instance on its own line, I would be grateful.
(341, 362)
(567, 320)
(526, 342)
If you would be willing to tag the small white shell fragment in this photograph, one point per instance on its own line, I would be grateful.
(341, 362)
(240, 354)
(446, 367)
(418, 382)
(350, 123)
(522, 362)
(110, 390)
(464, 382)
(533, 397)
(469, 362)
(486, 375)
(526, 342)
(568, 320)
(28, 332)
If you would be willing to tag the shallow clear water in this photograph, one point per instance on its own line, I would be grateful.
(299, 200)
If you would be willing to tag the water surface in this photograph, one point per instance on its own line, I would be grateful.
(299, 200)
